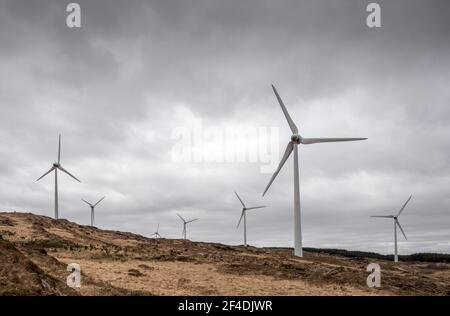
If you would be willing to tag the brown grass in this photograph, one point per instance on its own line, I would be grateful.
(118, 263)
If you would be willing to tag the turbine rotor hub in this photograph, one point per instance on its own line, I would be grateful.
(296, 138)
(55, 164)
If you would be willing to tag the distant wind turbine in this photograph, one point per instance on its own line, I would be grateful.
(55, 167)
(156, 234)
(396, 223)
(296, 140)
(92, 209)
(244, 215)
(184, 225)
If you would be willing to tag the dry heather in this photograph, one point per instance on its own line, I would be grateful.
(35, 251)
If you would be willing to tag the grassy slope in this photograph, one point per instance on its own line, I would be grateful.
(119, 263)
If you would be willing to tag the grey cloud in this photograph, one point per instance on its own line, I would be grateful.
(113, 89)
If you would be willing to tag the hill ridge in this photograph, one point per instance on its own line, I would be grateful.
(124, 263)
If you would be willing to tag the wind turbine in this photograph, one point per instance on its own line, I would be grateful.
(156, 234)
(396, 223)
(296, 140)
(92, 209)
(244, 215)
(183, 234)
(56, 166)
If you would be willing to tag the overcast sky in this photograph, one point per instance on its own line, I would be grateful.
(120, 87)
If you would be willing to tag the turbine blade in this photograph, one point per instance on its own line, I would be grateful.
(64, 170)
(51, 169)
(192, 220)
(255, 207)
(99, 201)
(307, 141)
(59, 148)
(239, 199)
(291, 123)
(286, 155)
(87, 202)
(399, 226)
(181, 218)
(383, 216)
(157, 228)
(404, 205)
(240, 219)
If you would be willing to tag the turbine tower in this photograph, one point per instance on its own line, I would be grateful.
(244, 215)
(296, 140)
(92, 209)
(396, 223)
(156, 234)
(55, 167)
(183, 234)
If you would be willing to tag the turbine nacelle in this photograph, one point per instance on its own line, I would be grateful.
(296, 138)
(56, 165)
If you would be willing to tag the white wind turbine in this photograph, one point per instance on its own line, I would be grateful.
(156, 234)
(396, 223)
(244, 215)
(55, 167)
(296, 140)
(92, 206)
(183, 234)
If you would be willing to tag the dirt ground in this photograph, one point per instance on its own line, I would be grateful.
(35, 251)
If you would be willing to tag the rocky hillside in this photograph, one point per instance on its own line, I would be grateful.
(35, 251)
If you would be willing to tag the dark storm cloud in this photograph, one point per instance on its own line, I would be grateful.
(117, 88)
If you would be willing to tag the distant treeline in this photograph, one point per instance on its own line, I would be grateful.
(421, 257)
